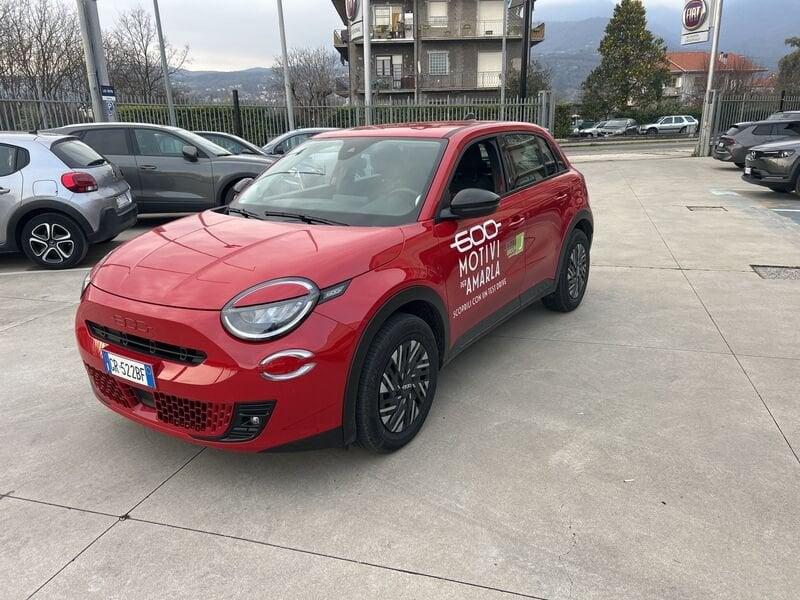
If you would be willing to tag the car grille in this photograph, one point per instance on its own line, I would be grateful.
(204, 418)
(144, 346)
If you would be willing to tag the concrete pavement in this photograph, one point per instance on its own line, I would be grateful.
(642, 447)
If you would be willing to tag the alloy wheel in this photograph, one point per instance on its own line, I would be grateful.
(51, 243)
(404, 386)
(577, 270)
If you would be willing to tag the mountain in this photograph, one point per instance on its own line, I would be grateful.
(253, 84)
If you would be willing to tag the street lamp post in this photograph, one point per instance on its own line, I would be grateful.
(96, 68)
(708, 113)
(173, 120)
(367, 64)
(287, 84)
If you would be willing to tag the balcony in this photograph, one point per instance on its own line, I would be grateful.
(444, 29)
(397, 33)
(487, 80)
(341, 37)
(401, 80)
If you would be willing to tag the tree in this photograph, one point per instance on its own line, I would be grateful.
(633, 67)
(41, 54)
(134, 60)
(312, 72)
(789, 68)
(538, 79)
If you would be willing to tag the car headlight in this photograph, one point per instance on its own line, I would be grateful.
(786, 153)
(248, 317)
(86, 281)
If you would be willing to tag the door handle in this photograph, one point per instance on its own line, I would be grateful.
(4, 191)
(517, 221)
(148, 167)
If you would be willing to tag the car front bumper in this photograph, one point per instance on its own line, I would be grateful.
(212, 403)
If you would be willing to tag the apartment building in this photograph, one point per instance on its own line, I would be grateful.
(431, 49)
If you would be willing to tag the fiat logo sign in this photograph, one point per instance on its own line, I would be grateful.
(352, 7)
(694, 14)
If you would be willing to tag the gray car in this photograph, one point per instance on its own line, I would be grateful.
(170, 169)
(57, 196)
(775, 166)
(739, 139)
(617, 127)
(232, 143)
(676, 124)
(280, 145)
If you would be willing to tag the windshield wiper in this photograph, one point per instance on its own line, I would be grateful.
(304, 218)
(97, 162)
(245, 213)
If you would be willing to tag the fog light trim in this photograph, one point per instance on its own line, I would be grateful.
(300, 355)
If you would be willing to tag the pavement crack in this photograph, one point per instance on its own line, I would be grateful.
(160, 485)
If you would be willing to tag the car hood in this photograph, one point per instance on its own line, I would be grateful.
(203, 261)
(783, 145)
(245, 160)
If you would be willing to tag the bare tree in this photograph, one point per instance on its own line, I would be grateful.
(313, 74)
(134, 63)
(40, 49)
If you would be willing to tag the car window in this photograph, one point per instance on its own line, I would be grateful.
(108, 142)
(295, 141)
(788, 129)
(76, 155)
(224, 142)
(152, 142)
(8, 160)
(667, 121)
(370, 181)
(763, 130)
(530, 159)
(479, 167)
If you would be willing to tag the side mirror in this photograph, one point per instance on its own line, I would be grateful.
(242, 185)
(472, 202)
(278, 149)
(190, 153)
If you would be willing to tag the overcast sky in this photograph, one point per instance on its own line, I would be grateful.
(227, 35)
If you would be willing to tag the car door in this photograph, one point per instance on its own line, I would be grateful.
(539, 182)
(12, 160)
(170, 181)
(114, 144)
(479, 257)
(666, 125)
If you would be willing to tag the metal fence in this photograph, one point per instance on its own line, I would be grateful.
(262, 122)
(732, 109)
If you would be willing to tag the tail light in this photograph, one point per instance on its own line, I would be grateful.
(78, 182)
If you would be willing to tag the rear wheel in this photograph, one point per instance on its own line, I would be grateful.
(652, 132)
(53, 241)
(398, 383)
(574, 275)
(683, 130)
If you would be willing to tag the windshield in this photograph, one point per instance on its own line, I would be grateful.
(616, 124)
(204, 143)
(374, 182)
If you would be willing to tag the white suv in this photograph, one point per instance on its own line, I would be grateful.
(681, 124)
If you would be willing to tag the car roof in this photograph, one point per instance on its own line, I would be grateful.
(47, 137)
(429, 130)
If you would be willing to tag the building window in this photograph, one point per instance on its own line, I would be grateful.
(437, 13)
(383, 66)
(439, 62)
(383, 16)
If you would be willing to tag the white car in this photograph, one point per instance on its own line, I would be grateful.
(680, 124)
(593, 132)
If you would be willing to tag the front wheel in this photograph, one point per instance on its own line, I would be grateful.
(398, 383)
(574, 275)
(53, 241)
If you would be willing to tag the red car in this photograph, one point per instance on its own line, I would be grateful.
(318, 308)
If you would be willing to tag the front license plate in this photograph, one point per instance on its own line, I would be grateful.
(131, 370)
(748, 170)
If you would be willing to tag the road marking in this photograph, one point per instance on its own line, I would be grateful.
(80, 270)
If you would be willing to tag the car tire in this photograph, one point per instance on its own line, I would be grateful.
(683, 131)
(230, 194)
(781, 189)
(574, 275)
(652, 132)
(53, 241)
(397, 384)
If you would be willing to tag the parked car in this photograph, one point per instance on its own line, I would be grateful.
(314, 316)
(775, 165)
(681, 124)
(742, 137)
(593, 131)
(280, 145)
(232, 143)
(617, 127)
(785, 115)
(169, 169)
(58, 196)
(582, 125)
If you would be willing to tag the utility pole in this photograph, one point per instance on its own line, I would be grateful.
(526, 49)
(96, 68)
(173, 120)
(286, 81)
(708, 113)
(368, 63)
(504, 65)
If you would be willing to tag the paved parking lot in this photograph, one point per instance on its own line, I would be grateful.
(645, 446)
